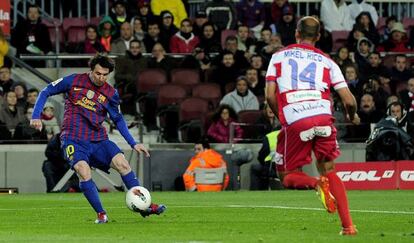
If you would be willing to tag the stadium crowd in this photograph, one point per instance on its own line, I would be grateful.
(211, 67)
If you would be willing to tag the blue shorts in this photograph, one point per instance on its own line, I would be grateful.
(97, 154)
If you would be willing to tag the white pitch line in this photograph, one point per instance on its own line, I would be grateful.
(224, 206)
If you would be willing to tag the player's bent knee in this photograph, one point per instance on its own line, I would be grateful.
(83, 170)
(120, 164)
(326, 167)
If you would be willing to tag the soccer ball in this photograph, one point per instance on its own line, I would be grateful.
(138, 198)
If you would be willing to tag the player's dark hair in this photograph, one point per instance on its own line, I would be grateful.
(308, 28)
(103, 61)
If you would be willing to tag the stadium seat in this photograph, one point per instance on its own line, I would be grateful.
(192, 113)
(149, 80)
(388, 61)
(225, 34)
(408, 23)
(249, 118)
(210, 92)
(339, 39)
(51, 26)
(168, 100)
(95, 20)
(73, 22)
(381, 22)
(187, 78)
(76, 35)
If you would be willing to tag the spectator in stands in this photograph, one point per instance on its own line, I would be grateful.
(184, 41)
(55, 166)
(199, 21)
(389, 25)
(219, 130)
(175, 6)
(137, 28)
(379, 91)
(354, 36)
(91, 45)
(241, 98)
(24, 133)
(31, 36)
(197, 60)
(255, 85)
(342, 58)
(222, 13)
(325, 42)
(49, 120)
(264, 40)
(106, 31)
(358, 6)
(10, 113)
(385, 81)
(262, 172)
(127, 69)
(5, 133)
(252, 14)
(256, 62)
(355, 84)
(407, 95)
(119, 15)
(226, 72)
(365, 47)
(6, 82)
(400, 71)
(21, 93)
(276, 10)
(368, 114)
(287, 26)
(168, 28)
(374, 66)
(160, 60)
(121, 45)
(4, 47)
(209, 40)
(398, 42)
(145, 14)
(274, 45)
(31, 97)
(153, 36)
(366, 23)
(336, 15)
(205, 158)
(267, 122)
(244, 41)
(239, 56)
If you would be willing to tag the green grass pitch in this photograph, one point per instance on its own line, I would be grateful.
(241, 216)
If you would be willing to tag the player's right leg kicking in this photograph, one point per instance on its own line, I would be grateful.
(130, 180)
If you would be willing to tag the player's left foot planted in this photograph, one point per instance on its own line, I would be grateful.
(102, 218)
(327, 199)
(153, 209)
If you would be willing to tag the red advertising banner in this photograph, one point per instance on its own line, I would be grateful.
(406, 174)
(5, 16)
(368, 175)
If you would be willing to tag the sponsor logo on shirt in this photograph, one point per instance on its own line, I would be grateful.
(86, 103)
(302, 95)
(101, 99)
(90, 94)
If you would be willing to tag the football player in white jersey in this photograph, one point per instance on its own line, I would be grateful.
(299, 78)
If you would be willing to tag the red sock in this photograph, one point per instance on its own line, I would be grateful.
(299, 180)
(337, 188)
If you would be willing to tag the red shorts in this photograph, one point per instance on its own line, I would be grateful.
(296, 142)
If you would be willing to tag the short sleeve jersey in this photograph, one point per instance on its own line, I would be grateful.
(303, 77)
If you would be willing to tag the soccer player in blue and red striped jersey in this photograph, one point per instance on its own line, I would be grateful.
(88, 100)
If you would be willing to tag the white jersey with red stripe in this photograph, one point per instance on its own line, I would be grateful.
(303, 76)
